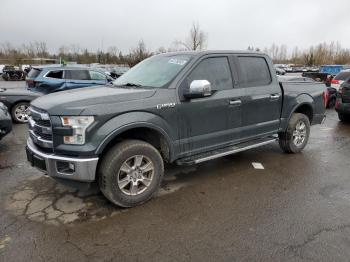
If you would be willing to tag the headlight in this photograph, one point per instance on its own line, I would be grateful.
(79, 124)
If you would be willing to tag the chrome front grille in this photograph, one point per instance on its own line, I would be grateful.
(46, 123)
(40, 129)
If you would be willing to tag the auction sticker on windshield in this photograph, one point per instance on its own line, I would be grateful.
(177, 61)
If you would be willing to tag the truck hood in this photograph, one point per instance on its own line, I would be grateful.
(73, 102)
(18, 92)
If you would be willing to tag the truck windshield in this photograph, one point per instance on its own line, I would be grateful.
(156, 71)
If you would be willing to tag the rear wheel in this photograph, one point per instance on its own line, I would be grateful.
(130, 173)
(295, 138)
(20, 112)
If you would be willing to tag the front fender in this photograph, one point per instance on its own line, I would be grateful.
(128, 121)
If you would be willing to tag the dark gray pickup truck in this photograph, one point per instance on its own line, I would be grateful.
(185, 107)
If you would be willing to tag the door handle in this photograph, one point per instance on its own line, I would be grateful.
(274, 96)
(237, 102)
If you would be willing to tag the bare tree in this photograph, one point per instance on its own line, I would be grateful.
(196, 40)
(137, 54)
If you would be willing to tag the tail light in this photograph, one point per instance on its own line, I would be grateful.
(325, 98)
(336, 82)
(30, 83)
(337, 103)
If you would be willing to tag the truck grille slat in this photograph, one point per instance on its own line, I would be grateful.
(40, 129)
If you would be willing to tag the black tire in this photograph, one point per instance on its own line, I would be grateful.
(286, 139)
(331, 102)
(15, 113)
(343, 117)
(5, 76)
(110, 171)
(15, 77)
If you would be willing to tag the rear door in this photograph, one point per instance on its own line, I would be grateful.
(76, 78)
(262, 101)
(52, 81)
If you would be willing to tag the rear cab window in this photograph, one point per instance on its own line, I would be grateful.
(254, 71)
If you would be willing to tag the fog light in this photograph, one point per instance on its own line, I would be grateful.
(65, 167)
(71, 166)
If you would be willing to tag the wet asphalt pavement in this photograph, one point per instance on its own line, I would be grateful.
(296, 209)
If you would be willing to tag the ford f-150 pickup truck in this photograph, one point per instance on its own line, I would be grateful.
(184, 108)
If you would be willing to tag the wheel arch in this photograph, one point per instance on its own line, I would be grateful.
(304, 108)
(144, 131)
(303, 104)
(17, 102)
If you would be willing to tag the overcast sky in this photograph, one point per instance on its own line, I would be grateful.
(230, 24)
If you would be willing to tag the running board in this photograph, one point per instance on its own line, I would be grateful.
(196, 159)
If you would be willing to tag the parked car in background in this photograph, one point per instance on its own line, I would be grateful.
(5, 121)
(58, 78)
(118, 71)
(331, 97)
(1, 68)
(280, 71)
(340, 78)
(300, 79)
(317, 76)
(342, 105)
(114, 71)
(12, 73)
(17, 101)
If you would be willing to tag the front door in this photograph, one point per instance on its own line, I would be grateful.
(206, 123)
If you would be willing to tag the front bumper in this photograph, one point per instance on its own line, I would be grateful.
(77, 169)
(5, 125)
(341, 107)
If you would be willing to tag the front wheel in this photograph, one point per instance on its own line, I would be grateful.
(343, 117)
(130, 173)
(20, 112)
(295, 138)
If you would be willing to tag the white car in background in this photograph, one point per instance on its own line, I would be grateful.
(1, 68)
(340, 78)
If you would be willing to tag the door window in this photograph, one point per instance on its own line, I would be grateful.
(55, 74)
(255, 71)
(78, 74)
(216, 70)
(97, 75)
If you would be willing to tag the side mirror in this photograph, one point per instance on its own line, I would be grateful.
(198, 88)
(110, 79)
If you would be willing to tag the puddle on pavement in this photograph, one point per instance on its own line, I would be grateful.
(42, 199)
